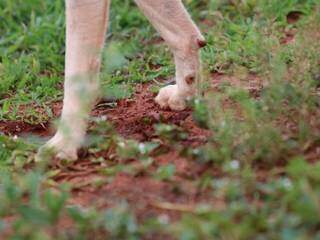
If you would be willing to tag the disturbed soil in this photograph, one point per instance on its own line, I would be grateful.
(134, 118)
(95, 183)
(147, 196)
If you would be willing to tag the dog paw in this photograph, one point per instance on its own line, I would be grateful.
(169, 97)
(57, 147)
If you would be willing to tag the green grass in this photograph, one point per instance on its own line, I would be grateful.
(277, 132)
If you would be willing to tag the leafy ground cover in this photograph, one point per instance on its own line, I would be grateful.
(241, 163)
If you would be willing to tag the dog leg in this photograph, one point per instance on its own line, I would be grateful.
(173, 22)
(85, 36)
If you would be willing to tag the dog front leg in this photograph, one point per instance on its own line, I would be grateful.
(173, 22)
(85, 35)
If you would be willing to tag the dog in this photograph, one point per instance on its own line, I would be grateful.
(86, 28)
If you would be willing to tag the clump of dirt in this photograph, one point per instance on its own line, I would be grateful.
(19, 127)
(294, 16)
(134, 118)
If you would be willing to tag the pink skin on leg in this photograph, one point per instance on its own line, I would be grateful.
(173, 22)
(85, 36)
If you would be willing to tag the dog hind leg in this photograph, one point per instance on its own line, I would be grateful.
(173, 22)
(85, 36)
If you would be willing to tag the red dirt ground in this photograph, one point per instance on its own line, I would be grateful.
(132, 118)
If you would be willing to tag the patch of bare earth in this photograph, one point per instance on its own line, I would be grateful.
(147, 196)
(132, 118)
(135, 119)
